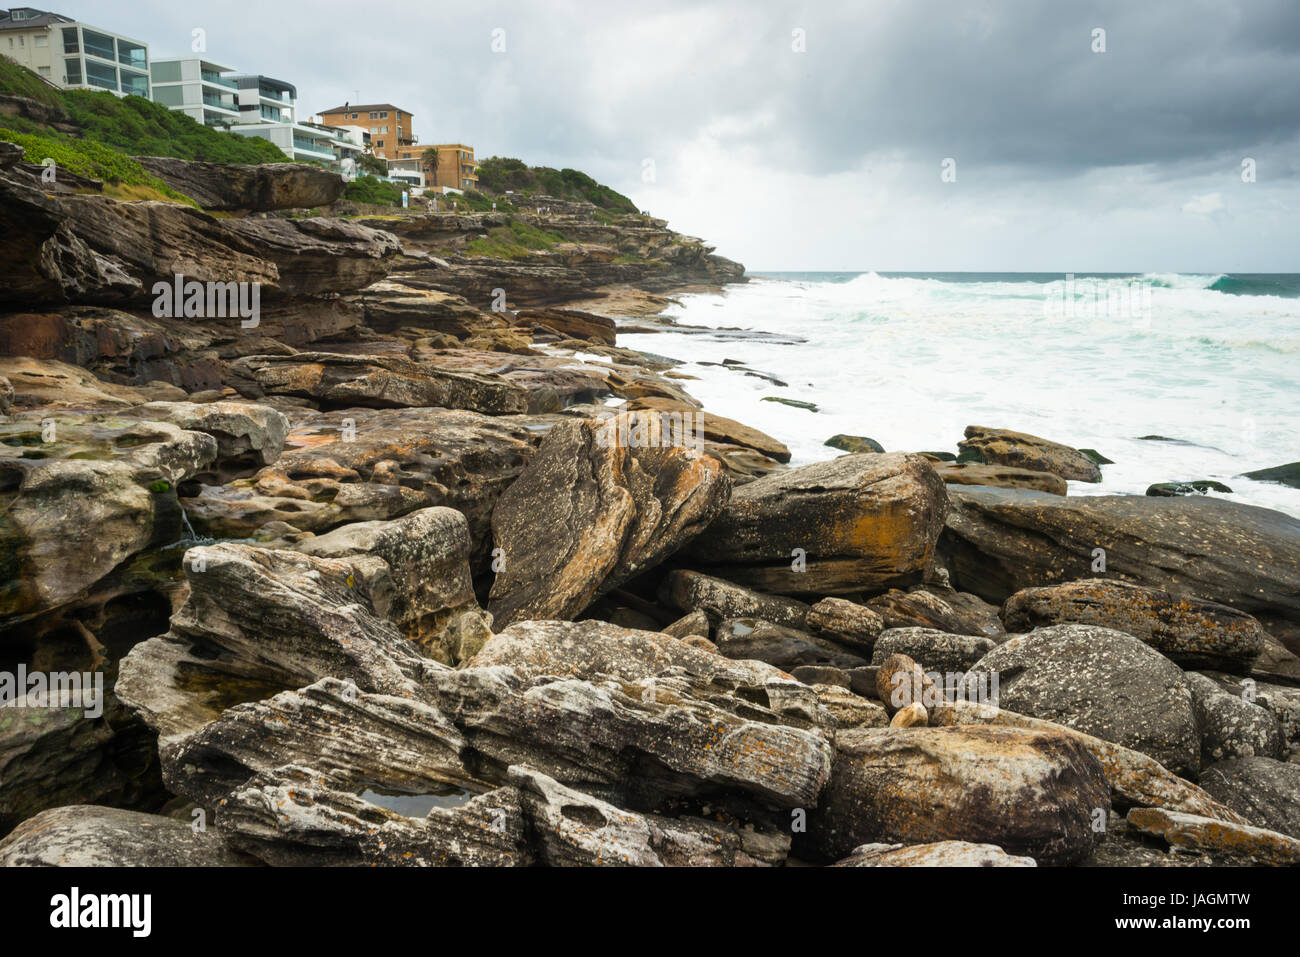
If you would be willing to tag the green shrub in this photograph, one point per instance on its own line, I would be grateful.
(91, 159)
(368, 189)
(515, 240)
(498, 174)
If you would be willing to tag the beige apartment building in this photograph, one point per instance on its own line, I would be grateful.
(74, 55)
(390, 128)
(456, 167)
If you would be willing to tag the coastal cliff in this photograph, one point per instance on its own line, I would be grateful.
(400, 558)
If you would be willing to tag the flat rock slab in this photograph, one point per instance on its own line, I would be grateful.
(88, 836)
(937, 854)
(1189, 631)
(999, 541)
(1234, 842)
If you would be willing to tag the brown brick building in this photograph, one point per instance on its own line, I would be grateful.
(391, 129)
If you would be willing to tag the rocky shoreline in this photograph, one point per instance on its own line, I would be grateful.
(418, 566)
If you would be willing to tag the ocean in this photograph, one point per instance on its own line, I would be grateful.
(1210, 363)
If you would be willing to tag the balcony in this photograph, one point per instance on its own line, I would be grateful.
(303, 145)
(219, 103)
(216, 80)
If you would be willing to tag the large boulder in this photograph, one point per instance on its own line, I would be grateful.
(858, 522)
(1102, 682)
(1231, 726)
(937, 651)
(1032, 793)
(1263, 791)
(87, 836)
(1023, 451)
(348, 381)
(229, 186)
(1192, 632)
(999, 541)
(780, 646)
(416, 571)
(82, 494)
(587, 514)
(939, 607)
(1000, 476)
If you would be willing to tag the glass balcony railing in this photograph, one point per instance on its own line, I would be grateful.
(311, 146)
(214, 78)
(212, 100)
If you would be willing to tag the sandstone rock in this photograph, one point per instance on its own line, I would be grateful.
(76, 507)
(1260, 789)
(1288, 474)
(822, 675)
(1102, 682)
(570, 323)
(418, 576)
(294, 816)
(1230, 726)
(1134, 778)
(900, 682)
(1190, 631)
(1032, 793)
(575, 829)
(937, 854)
(933, 650)
(721, 599)
(860, 521)
(365, 465)
(586, 515)
(87, 836)
(910, 716)
(248, 436)
(6, 396)
(229, 186)
(344, 381)
(1000, 476)
(1020, 450)
(854, 443)
(998, 542)
(694, 623)
(1226, 842)
(938, 607)
(780, 646)
(845, 622)
(850, 710)
(719, 429)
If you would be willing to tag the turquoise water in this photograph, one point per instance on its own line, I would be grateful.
(1096, 360)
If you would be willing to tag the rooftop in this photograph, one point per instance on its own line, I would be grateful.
(19, 18)
(366, 107)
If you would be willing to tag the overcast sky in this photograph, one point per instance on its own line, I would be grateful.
(814, 135)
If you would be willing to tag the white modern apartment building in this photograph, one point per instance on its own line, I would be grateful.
(74, 55)
(195, 86)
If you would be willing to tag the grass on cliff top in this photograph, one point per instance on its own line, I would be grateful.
(131, 124)
(369, 189)
(496, 174)
(123, 177)
(517, 240)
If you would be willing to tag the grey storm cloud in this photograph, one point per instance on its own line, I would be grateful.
(1010, 88)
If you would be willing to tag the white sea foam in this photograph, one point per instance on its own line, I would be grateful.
(911, 362)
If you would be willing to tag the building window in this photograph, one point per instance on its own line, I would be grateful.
(379, 144)
(99, 44)
(73, 67)
(383, 115)
(104, 77)
(43, 70)
(41, 41)
(70, 40)
(374, 115)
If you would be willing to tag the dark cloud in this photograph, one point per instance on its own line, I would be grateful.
(1012, 90)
